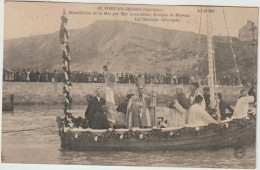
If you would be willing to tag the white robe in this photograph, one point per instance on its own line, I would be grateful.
(177, 116)
(241, 108)
(134, 118)
(198, 116)
(192, 98)
(110, 100)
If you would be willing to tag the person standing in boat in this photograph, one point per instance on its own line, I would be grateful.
(138, 114)
(101, 119)
(206, 96)
(94, 106)
(177, 109)
(194, 92)
(223, 105)
(121, 111)
(197, 115)
(242, 104)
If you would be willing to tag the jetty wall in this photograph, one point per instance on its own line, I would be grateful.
(51, 93)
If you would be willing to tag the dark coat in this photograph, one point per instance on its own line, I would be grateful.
(122, 107)
(207, 101)
(94, 106)
(222, 107)
(100, 121)
(183, 101)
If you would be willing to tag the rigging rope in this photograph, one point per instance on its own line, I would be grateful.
(231, 45)
(254, 57)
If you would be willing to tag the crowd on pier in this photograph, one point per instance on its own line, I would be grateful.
(23, 75)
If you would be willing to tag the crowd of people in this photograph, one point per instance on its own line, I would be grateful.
(120, 78)
(227, 80)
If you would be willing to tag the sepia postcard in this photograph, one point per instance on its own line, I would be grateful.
(129, 85)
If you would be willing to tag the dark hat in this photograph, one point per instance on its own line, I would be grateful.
(195, 84)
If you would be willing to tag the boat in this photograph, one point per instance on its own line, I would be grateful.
(232, 133)
(236, 133)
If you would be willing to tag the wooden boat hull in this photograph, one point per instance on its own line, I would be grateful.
(159, 140)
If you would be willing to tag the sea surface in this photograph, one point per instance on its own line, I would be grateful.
(30, 135)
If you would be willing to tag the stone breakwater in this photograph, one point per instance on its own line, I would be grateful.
(51, 93)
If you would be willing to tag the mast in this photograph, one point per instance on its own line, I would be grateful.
(211, 65)
(211, 82)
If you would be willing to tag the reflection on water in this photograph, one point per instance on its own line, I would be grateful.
(42, 145)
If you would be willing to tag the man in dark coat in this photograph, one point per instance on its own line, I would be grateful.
(100, 119)
(123, 106)
(94, 106)
(206, 95)
(223, 105)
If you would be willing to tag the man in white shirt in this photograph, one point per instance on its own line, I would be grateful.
(242, 104)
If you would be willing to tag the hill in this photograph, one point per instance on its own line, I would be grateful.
(130, 47)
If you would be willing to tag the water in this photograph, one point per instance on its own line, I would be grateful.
(42, 145)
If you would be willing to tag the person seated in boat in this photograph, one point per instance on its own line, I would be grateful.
(223, 106)
(197, 115)
(94, 106)
(194, 92)
(138, 114)
(242, 104)
(178, 109)
(100, 119)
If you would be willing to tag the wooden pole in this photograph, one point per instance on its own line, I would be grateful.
(211, 77)
(66, 63)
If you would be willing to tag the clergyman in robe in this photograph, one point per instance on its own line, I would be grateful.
(138, 114)
(177, 109)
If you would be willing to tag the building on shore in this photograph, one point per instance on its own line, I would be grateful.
(246, 34)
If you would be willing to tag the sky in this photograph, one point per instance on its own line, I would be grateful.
(25, 19)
